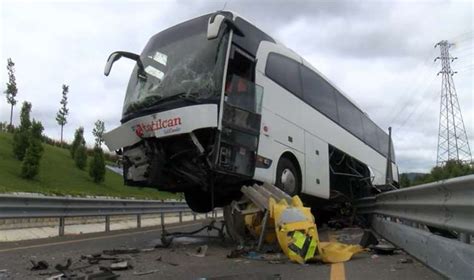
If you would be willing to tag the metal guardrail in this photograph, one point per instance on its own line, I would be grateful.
(12, 206)
(447, 204)
(407, 217)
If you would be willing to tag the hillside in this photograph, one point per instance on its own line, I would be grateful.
(59, 176)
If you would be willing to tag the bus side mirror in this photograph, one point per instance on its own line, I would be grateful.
(116, 56)
(214, 25)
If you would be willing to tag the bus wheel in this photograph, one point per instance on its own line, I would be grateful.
(287, 177)
(199, 201)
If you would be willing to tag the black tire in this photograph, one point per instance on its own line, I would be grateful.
(199, 201)
(285, 165)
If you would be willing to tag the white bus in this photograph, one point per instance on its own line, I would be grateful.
(214, 103)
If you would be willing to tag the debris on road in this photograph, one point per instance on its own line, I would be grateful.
(265, 257)
(96, 258)
(41, 265)
(160, 259)
(167, 237)
(200, 251)
(114, 252)
(124, 265)
(406, 260)
(145, 272)
(294, 226)
(62, 268)
(368, 239)
(237, 253)
(384, 249)
(55, 277)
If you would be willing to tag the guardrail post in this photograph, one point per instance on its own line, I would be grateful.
(180, 216)
(206, 215)
(465, 238)
(107, 223)
(139, 220)
(62, 224)
(162, 218)
(194, 216)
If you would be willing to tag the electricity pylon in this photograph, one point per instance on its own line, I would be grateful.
(452, 138)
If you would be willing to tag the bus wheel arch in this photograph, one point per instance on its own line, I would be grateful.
(288, 174)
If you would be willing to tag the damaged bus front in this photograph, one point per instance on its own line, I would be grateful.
(191, 115)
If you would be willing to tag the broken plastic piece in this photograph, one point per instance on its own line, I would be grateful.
(41, 265)
(295, 227)
(120, 266)
(334, 252)
(145, 272)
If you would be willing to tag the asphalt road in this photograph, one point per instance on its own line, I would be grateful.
(177, 261)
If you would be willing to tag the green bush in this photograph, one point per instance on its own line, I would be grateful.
(31, 162)
(97, 165)
(34, 152)
(20, 143)
(22, 134)
(78, 141)
(80, 157)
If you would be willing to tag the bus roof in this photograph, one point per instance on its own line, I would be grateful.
(305, 62)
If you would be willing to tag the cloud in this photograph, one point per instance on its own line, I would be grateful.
(379, 53)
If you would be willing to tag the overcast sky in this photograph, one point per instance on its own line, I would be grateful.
(380, 53)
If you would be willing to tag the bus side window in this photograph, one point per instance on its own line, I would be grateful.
(371, 133)
(349, 116)
(285, 72)
(319, 93)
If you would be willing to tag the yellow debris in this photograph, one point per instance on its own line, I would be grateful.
(297, 234)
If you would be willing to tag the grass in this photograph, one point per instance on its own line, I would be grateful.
(59, 176)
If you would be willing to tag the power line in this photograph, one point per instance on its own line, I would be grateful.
(418, 85)
(414, 109)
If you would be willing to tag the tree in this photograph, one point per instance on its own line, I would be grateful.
(80, 156)
(31, 161)
(98, 132)
(451, 169)
(404, 181)
(97, 165)
(21, 136)
(63, 110)
(78, 141)
(11, 90)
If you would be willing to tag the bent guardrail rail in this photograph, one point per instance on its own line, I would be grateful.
(407, 217)
(13, 206)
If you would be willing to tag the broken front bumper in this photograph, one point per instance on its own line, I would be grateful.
(163, 124)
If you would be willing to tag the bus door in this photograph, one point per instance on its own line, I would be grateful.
(241, 116)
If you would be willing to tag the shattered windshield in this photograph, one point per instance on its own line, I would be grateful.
(179, 61)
